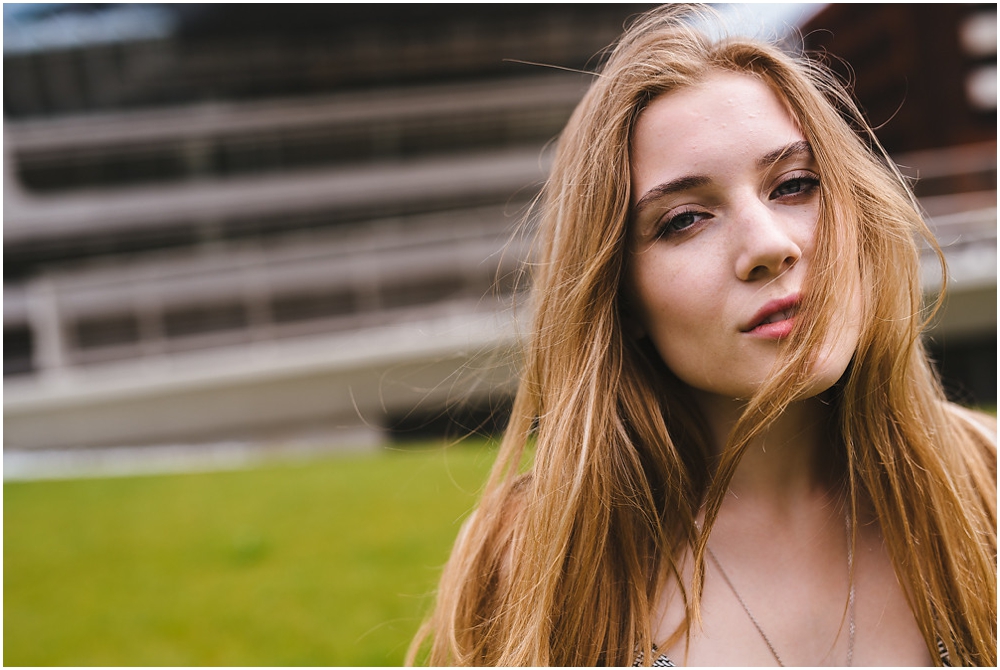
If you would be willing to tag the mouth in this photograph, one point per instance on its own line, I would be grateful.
(779, 316)
(775, 319)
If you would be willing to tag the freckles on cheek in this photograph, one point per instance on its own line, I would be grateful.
(668, 286)
(675, 289)
(664, 300)
(648, 286)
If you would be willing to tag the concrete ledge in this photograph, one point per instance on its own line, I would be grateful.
(338, 381)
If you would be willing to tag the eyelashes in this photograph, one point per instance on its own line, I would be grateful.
(799, 185)
(796, 184)
(681, 221)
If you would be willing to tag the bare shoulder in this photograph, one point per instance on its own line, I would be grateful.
(974, 436)
(511, 514)
(982, 423)
(491, 529)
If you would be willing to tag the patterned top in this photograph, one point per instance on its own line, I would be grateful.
(661, 661)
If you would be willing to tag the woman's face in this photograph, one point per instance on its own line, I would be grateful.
(725, 206)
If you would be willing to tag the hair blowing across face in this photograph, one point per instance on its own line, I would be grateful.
(559, 565)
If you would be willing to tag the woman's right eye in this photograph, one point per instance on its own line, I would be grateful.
(680, 222)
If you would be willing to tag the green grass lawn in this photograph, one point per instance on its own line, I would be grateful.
(325, 563)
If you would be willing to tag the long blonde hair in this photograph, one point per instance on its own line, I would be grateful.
(559, 565)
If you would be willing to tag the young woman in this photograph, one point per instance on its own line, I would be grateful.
(740, 454)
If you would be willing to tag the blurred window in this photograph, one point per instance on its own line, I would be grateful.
(306, 307)
(106, 331)
(420, 291)
(17, 350)
(200, 319)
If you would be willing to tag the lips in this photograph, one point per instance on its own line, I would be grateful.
(775, 319)
(780, 316)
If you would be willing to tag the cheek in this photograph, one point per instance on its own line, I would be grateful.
(673, 303)
(842, 342)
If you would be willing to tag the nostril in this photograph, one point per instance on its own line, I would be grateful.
(765, 270)
(767, 258)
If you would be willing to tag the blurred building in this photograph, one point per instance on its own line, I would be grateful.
(926, 76)
(254, 222)
(259, 222)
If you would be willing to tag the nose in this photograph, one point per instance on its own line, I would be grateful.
(766, 244)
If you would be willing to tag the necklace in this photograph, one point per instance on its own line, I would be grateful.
(756, 624)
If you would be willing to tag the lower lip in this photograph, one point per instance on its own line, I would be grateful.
(778, 330)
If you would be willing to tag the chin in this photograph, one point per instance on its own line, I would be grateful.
(826, 373)
(832, 363)
(828, 378)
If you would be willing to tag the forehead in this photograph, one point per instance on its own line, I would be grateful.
(723, 118)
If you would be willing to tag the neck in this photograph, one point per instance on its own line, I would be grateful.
(785, 462)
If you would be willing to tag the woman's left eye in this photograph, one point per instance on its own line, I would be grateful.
(796, 185)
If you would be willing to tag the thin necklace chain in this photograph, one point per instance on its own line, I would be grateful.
(850, 601)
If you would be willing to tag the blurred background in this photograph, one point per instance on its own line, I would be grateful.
(258, 235)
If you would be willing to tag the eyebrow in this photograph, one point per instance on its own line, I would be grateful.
(668, 188)
(795, 149)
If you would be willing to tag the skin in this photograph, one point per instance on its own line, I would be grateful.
(727, 200)
(725, 207)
